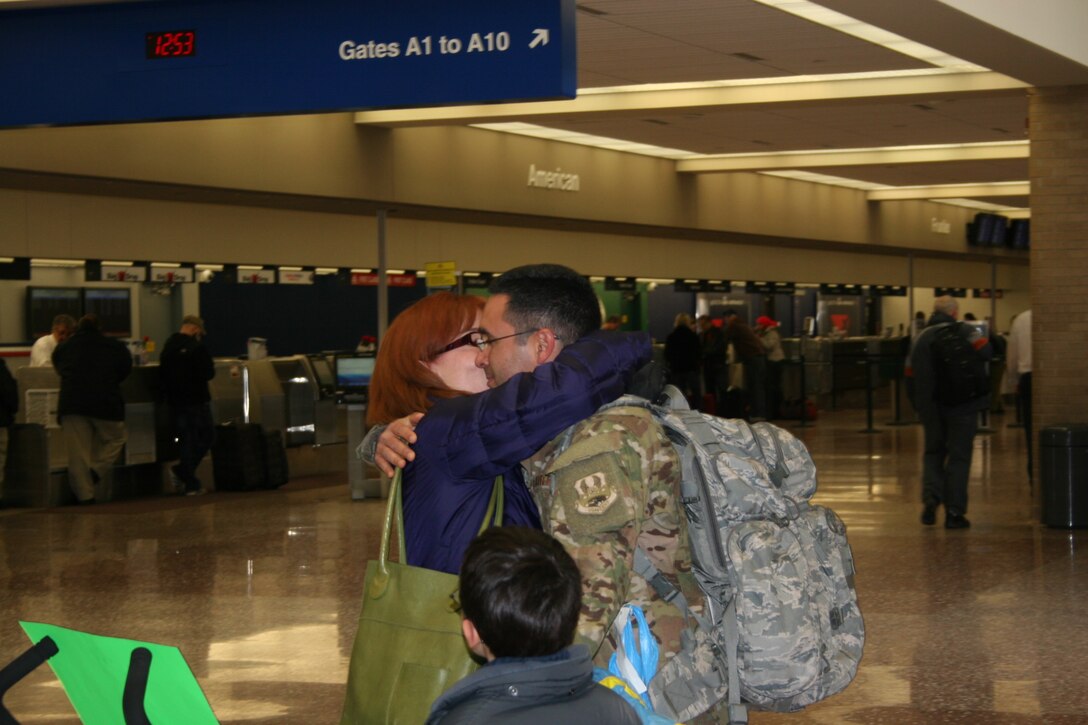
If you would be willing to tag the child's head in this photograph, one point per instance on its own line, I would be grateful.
(520, 594)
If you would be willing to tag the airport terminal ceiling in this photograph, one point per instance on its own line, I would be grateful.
(725, 91)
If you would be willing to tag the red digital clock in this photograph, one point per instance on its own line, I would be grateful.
(171, 44)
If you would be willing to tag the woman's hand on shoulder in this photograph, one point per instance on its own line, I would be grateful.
(394, 448)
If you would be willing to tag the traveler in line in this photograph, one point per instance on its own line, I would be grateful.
(682, 356)
(185, 367)
(41, 353)
(951, 386)
(767, 330)
(1018, 365)
(520, 595)
(9, 406)
(91, 410)
(713, 348)
(749, 350)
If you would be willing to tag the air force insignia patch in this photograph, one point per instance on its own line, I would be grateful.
(594, 495)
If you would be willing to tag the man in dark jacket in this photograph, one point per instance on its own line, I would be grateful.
(185, 367)
(9, 406)
(682, 355)
(948, 409)
(91, 410)
(749, 352)
(520, 597)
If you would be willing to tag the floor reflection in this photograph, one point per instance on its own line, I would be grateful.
(260, 591)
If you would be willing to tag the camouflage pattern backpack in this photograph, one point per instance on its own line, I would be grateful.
(782, 628)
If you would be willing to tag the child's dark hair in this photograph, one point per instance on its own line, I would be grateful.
(522, 591)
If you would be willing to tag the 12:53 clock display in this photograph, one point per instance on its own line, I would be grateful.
(171, 44)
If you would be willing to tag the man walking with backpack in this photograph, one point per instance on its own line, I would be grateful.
(951, 385)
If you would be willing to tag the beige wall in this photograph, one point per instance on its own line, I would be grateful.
(731, 226)
(466, 168)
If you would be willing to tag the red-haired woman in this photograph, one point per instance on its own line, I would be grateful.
(427, 362)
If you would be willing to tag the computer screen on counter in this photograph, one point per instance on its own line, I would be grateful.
(353, 373)
(323, 372)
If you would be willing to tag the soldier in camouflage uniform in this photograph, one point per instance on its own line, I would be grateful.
(608, 485)
(614, 489)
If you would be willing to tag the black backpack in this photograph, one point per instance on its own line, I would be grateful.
(959, 370)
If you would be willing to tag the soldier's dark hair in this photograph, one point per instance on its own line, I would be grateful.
(552, 296)
(522, 592)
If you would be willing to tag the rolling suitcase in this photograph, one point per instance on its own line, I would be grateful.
(238, 457)
(275, 459)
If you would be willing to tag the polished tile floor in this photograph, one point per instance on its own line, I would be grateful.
(260, 591)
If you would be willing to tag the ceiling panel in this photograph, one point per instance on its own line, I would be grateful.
(638, 42)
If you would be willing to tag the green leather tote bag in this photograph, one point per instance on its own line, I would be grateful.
(408, 649)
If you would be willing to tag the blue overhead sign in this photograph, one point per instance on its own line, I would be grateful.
(163, 59)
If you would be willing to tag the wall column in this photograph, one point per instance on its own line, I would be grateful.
(1059, 255)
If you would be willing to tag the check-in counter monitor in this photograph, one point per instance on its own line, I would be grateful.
(282, 395)
(323, 372)
(353, 373)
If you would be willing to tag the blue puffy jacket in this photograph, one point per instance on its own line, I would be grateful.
(464, 443)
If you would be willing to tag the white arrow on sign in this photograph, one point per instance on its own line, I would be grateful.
(540, 37)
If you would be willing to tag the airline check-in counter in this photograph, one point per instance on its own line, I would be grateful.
(38, 458)
(353, 373)
(295, 394)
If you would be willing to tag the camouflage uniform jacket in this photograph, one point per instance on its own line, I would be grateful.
(614, 489)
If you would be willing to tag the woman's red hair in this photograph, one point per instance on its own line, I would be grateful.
(401, 384)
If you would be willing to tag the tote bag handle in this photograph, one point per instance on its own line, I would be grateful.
(492, 517)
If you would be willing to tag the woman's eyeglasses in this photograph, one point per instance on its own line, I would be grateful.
(469, 338)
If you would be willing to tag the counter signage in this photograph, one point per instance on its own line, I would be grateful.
(984, 294)
(950, 291)
(293, 276)
(840, 289)
(171, 274)
(620, 284)
(887, 290)
(441, 275)
(701, 285)
(770, 288)
(182, 59)
(477, 281)
(256, 276)
(370, 279)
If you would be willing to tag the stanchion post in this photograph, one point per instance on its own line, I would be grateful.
(868, 363)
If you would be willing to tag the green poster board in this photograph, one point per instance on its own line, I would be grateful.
(93, 670)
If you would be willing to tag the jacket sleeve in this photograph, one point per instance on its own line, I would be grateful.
(9, 392)
(480, 436)
(207, 365)
(124, 360)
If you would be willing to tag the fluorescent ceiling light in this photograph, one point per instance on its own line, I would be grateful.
(290, 269)
(210, 267)
(528, 129)
(171, 265)
(110, 263)
(250, 267)
(919, 154)
(827, 179)
(361, 270)
(951, 191)
(7, 260)
(47, 262)
(845, 24)
(326, 270)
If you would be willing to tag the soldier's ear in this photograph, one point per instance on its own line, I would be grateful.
(547, 345)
